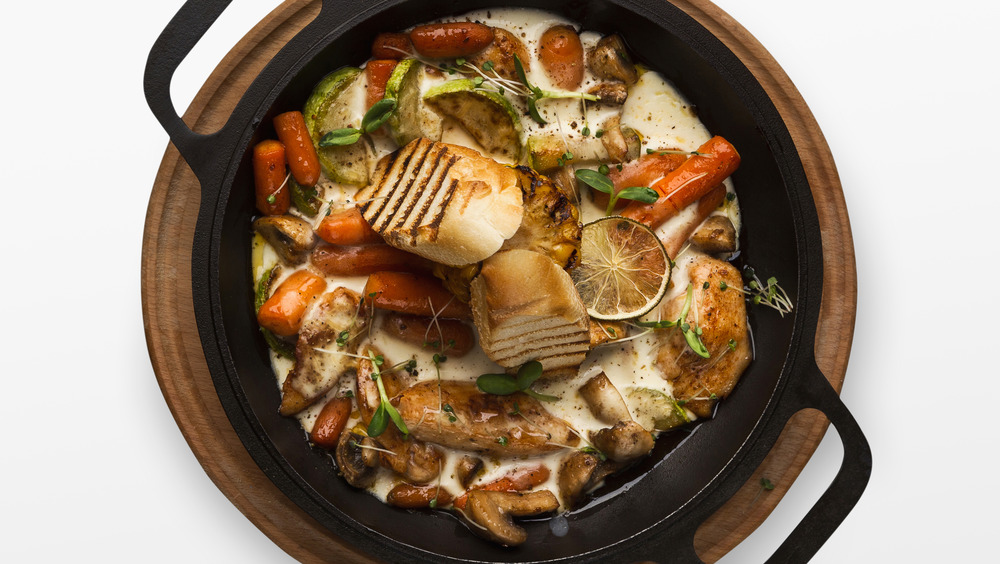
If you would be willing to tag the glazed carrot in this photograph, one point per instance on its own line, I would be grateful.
(378, 72)
(706, 205)
(688, 183)
(331, 422)
(347, 227)
(419, 294)
(450, 337)
(644, 171)
(409, 496)
(391, 46)
(271, 192)
(282, 312)
(517, 480)
(336, 260)
(561, 55)
(299, 149)
(451, 40)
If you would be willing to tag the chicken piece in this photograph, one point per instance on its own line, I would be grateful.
(513, 425)
(551, 223)
(721, 315)
(316, 372)
(501, 53)
(411, 458)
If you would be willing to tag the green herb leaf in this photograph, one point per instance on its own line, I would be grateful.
(502, 441)
(488, 66)
(378, 114)
(766, 484)
(340, 137)
(657, 324)
(595, 180)
(396, 417)
(497, 384)
(528, 374)
(379, 422)
(640, 193)
(592, 450)
(694, 341)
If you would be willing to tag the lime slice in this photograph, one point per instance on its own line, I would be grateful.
(655, 410)
(330, 107)
(623, 271)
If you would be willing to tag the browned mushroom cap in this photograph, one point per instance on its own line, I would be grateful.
(610, 60)
(353, 460)
(716, 235)
(614, 93)
(467, 469)
(625, 442)
(494, 512)
(290, 236)
(604, 400)
(577, 476)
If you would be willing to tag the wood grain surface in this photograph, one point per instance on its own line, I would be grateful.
(177, 358)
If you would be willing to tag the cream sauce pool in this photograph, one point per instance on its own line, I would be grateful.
(662, 117)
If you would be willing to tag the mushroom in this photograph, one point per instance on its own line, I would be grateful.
(355, 462)
(716, 235)
(493, 512)
(609, 60)
(604, 400)
(626, 442)
(467, 469)
(614, 93)
(621, 142)
(577, 476)
(290, 236)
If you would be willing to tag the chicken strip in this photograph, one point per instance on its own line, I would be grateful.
(458, 415)
(719, 309)
(316, 372)
(411, 458)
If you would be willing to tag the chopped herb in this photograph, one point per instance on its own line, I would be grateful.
(603, 169)
(705, 286)
(600, 133)
(488, 66)
(343, 337)
(447, 408)
(766, 484)
(585, 131)
(270, 198)
(502, 441)
(459, 62)
(592, 450)
(722, 286)
(477, 81)
(730, 196)
(433, 503)
(732, 344)
(349, 394)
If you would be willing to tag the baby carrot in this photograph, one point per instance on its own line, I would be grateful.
(331, 422)
(282, 312)
(347, 227)
(561, 54)
(517, 480)
(271, 192)
(377, 72)
(299, 149)
(451, 40)
(419, 294)
(336, 260)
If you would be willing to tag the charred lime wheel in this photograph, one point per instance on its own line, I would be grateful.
(624, 269)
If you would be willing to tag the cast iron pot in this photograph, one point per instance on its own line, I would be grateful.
(649, 513)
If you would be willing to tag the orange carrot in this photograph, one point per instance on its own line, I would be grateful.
(335, 260)
(378, 72)
(272, 194)
(451, 40)
(706, 205)
(391, 46)
(561, 55)
(409, 496)
(331, 422)
(347, 227)
(450, 337)
(299, 149)
(282, 312)
(644, 171)
(517, 480)
(688, 183)
(419, 294)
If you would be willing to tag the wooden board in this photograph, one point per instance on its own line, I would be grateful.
(184, 379)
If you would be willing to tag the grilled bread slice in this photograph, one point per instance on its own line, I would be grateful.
(526, 308)
(443, 202)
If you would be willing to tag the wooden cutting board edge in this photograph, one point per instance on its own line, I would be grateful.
(175, 349)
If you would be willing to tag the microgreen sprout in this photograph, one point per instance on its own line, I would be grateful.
(692, 333)
(602, 183)
(535, 93)
(505, 384)
(770, 294)
(386, 412)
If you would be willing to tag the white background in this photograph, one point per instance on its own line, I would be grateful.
(95, 469)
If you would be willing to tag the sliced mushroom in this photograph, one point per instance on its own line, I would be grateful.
(604, 400)
(353, 460)
(577, 476)
(621, 142)
(291, 237)
(494, 512)
(716, 235)
(610, 60)
(467, 469)
(614, 93)
(625, 442)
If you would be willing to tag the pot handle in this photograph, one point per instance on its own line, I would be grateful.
(814, 391)
(183, 32)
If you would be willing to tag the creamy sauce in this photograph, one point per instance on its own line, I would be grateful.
(663, 118)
